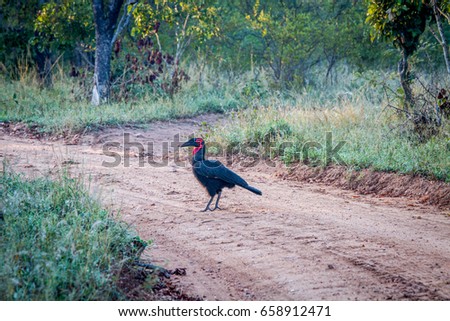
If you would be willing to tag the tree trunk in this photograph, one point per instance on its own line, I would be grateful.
(106, 14)
(331, 63)
(404, 80)
(100, 92)
(443, 41)
(44, 65)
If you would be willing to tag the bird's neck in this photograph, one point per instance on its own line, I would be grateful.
(199, 154)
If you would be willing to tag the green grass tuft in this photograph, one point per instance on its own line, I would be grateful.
(57, 243)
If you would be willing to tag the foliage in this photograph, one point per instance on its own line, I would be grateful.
(64, 25)
(296, 36)
(190, 18)
(16, 30)
(183, 22)
(136, 72)
(288, 37)
(403, 22)
(344, 35)
(57, 243)
(301, 43)
(399, 21)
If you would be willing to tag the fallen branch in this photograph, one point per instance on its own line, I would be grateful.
(161, 271)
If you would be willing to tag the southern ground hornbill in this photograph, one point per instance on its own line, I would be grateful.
(212, 174)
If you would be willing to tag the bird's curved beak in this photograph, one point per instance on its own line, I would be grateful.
(188, 143)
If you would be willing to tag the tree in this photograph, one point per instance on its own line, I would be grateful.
(107, 28)
(183, 22)
(402, 22)
(66, 27)
(342, 34)
(439, 7)
(16, 30)
(289, 34)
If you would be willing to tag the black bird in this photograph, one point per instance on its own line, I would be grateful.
(212, 174)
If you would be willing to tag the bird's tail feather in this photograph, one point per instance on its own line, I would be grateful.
(254, 190)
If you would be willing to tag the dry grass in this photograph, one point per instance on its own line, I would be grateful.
(373, 137)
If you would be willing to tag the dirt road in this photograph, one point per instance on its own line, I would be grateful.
(297, 242)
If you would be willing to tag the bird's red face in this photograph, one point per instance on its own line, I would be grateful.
(199, 145)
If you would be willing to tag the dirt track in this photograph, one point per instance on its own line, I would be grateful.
(296, 242)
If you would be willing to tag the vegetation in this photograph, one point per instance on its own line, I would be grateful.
(57, 243)
(295, 65)
(298, 78)
(372, 135)
(60, 110)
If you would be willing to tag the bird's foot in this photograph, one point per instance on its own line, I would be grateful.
(211, 209)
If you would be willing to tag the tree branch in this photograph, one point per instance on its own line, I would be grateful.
(124, 20)
(162, 271)
(114, 11)
(435, 36)
(82, 55)
(97, 6)
(443, 13)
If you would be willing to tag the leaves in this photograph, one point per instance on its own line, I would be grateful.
(65, 24)
(399, 21)
(197, 18)
(296, 36)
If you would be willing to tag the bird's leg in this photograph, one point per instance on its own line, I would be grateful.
(217, 201)
(207, 205)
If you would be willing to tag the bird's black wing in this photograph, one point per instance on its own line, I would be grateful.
(215, 169)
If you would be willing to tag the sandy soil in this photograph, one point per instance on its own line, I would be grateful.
(298, 241)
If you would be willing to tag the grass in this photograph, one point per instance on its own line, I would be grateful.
(60, 110)
(57, 243)
(372, 137)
